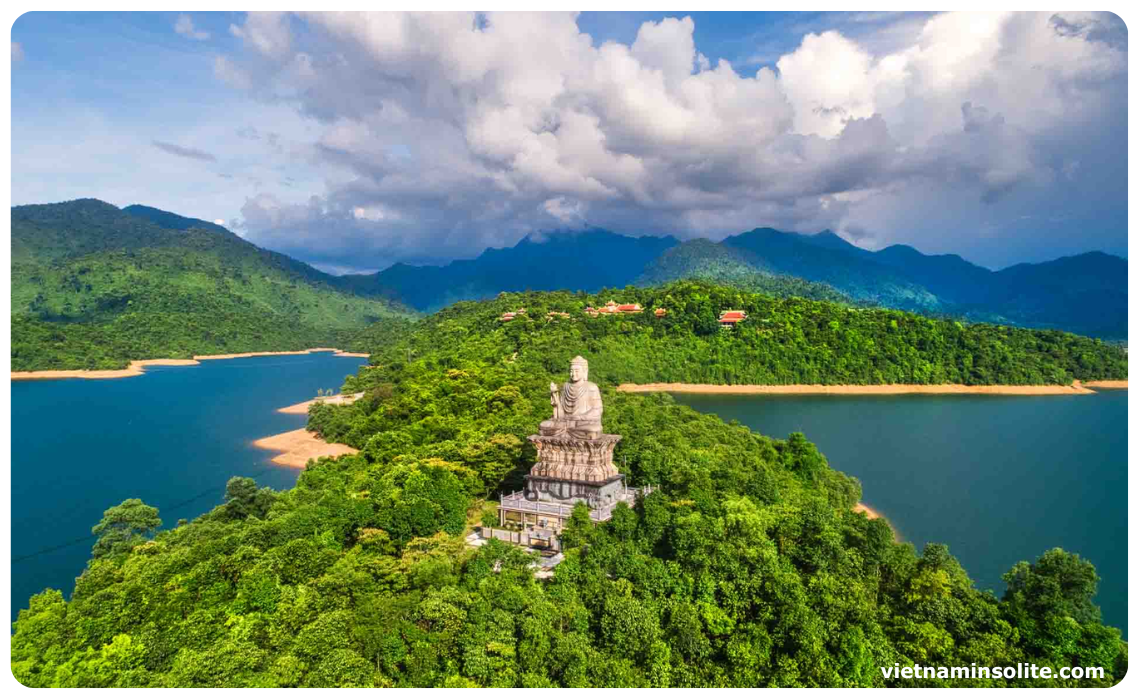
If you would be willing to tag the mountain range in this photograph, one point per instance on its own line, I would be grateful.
(1085, 293)
(94, 285)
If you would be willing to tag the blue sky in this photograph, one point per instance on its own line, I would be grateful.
(353, 143)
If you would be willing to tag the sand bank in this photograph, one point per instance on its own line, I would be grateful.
(303, 407)
(1104, 384)
(336, 353)
(135, 368)
(299, 446)
(898, 389)
(138, 367)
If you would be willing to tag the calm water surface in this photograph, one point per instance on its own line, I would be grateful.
(171, 437)
(999, 479)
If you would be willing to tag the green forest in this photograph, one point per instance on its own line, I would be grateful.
(784, 340)
(747, 567)
(94, 287)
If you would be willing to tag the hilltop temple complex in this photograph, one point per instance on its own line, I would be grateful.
(575, 464)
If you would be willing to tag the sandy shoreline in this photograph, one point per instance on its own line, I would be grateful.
(303, 407)
(138, 366)
(1105, 384)
(299, 446)
(897, 389)
(135, 368)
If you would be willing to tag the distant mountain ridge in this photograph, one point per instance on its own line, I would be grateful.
(1086, 293)
(579, 260)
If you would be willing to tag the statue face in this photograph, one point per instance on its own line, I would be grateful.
(577, 373)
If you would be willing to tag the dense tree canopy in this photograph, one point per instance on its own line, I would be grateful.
(95, 287)
(747, 567)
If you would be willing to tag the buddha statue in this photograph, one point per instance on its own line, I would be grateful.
(577, 406)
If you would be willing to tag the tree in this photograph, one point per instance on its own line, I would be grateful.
(579, 527)
(1058, 583)
(123, 527)
(243, 498)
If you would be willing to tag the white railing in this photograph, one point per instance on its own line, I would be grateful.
(516, 501)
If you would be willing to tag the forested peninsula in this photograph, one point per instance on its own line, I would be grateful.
(747, 567)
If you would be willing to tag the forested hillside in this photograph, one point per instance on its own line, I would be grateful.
(747, 567)
(786, 340)
(94, 287)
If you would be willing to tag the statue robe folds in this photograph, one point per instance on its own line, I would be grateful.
(577, 411)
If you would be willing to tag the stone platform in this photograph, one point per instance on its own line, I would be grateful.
(557, 490)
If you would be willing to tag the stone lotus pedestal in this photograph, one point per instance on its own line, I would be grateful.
(571, 469)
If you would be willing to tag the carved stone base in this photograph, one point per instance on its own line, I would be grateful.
(560, 491)
(576, 460)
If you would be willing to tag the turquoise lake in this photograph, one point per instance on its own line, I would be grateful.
(999, 479)
(171, 437)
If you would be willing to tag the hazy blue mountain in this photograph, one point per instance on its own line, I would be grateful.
(1086, 293)
(951, 277)
(580, 260)
(829, 239)
(825, 259)
(716, 262)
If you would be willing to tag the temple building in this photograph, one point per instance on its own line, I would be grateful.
(575, 464)
(731, 318)
(615, 307)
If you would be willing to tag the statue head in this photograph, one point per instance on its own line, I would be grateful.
(579, 370)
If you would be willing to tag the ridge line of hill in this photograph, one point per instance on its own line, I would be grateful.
(1084, 293)
(95, 287)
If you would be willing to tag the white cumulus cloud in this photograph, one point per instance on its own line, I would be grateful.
(185, 27)
(470, 130)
